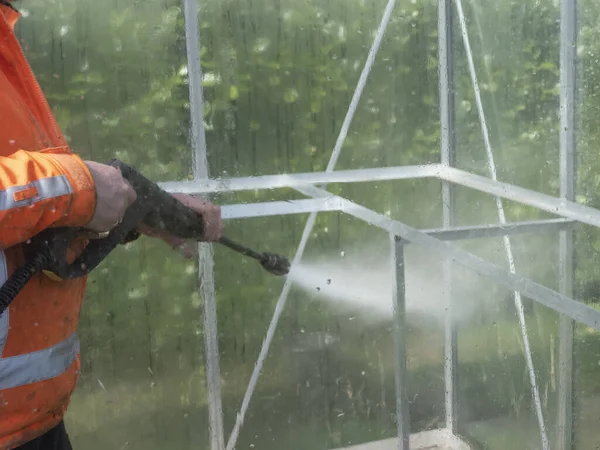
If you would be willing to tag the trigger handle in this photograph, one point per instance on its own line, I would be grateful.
(98, 249)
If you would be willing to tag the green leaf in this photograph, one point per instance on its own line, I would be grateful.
(290, 95)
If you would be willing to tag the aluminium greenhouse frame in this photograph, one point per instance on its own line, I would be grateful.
(319, 199)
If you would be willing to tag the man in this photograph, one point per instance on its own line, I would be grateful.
(44, 184)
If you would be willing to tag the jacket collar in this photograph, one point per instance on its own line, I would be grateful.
(11, 16)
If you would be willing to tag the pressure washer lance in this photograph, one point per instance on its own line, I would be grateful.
(154, 207)
(276, 264)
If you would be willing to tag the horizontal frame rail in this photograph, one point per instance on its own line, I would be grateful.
(281, 181)
(324, 204)
(279, 208)
(541, 294)
(544, 202)
(553, 205)
(497, 230)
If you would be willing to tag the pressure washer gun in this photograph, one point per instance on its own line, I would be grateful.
(153, 207)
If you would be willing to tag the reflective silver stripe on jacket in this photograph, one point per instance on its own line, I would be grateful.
(35, 366)
(38, 366)
(46, 188)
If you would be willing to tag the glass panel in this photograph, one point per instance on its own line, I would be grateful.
(425, 340)
(415, 202)
(496, 405)
(328, 381)
(587, 391)
(142, 382)
(587, 341)
(279, 78)
(520, 99)
(115, 76)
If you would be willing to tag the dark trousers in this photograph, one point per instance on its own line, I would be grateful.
(54, 439)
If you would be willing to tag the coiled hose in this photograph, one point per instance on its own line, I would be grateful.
(20, 277)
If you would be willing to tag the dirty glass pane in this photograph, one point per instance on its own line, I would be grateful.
(402, 200)
(587, 341)
(328, 381)
(115, 75)
(497, 407)
(520, 99)
(585, 412)
(142, 378)
(514, 50)
(279, 78)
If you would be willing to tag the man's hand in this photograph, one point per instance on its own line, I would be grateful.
(213, 225)
(113, 196)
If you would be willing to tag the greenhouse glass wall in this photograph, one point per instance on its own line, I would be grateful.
(431, 169)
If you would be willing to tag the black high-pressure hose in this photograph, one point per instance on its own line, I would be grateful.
(20, 277)
(271, 262)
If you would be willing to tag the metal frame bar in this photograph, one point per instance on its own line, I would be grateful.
(206, 278)
(281, 181)
(279, 208)
(568, 94)
(547, 297)
(553, 205)
(401, 372)
(448, 154)
(245, 210)
(497, 230)
(335, 203)
(544, 202)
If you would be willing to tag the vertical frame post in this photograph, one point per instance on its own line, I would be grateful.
(399, 304)
(205, 254)
(568, 90)
(447, 134)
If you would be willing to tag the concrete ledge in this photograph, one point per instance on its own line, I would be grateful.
(426, 440)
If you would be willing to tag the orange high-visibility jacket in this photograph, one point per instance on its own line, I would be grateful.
(42, 184)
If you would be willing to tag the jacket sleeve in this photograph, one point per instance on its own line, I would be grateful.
(43, 189)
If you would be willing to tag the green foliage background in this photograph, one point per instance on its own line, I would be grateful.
(278, 78)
